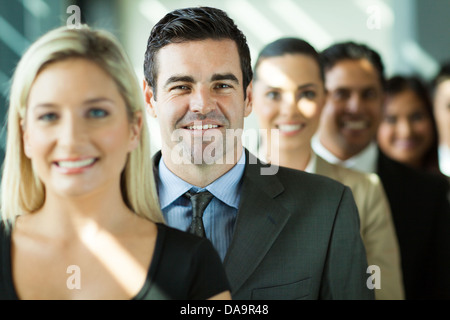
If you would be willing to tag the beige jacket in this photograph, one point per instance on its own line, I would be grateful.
(377, 228)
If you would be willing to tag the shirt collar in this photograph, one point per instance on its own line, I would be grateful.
(311, 167)
(364, 161)
(226, 188)
(170, 186)
(444, 159)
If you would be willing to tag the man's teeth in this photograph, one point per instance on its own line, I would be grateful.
(290, 127)
(204, 127)
(75, 164)
(355, 125)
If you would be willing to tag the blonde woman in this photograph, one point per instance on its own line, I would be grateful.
(80, 214)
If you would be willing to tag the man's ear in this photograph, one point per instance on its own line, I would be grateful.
(149, 99)
(248, 103)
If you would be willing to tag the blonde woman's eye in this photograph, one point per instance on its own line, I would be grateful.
(47, 117)
(97, 113)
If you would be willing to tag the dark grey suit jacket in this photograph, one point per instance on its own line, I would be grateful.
(296, 237)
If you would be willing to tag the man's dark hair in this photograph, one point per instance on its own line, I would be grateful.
(193, 24)
(442, 75)
(352, 51)
(284, 46)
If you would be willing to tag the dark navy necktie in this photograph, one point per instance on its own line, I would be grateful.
(199, 203)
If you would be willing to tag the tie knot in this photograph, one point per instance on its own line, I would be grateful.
(199, 202)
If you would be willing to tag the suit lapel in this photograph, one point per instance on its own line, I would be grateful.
(155, 161)
(259, 221)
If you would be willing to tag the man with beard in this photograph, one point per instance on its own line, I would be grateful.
(354, 79)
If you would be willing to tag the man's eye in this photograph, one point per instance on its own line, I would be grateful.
(97, 113)
(341, 94)
(370, 94)
(222, 86)
(180, 88)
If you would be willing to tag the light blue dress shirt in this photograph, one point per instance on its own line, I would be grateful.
(219, 216)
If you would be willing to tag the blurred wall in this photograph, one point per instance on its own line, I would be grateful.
(21, 22)
(412, 36)
(433, 28)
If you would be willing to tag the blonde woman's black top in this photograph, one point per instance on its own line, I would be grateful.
(184, 267)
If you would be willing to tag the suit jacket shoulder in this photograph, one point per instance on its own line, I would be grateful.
(296, 237)
(377, 227)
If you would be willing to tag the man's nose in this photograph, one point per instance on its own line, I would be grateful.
(202, 101)
(355, 103)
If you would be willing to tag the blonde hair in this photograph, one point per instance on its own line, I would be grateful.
(21, 190)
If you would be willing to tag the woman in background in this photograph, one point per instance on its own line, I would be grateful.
(288, 98)
(407, 132)
(78, 192)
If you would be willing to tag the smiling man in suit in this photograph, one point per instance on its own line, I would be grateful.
(281, 233)
(354, 79)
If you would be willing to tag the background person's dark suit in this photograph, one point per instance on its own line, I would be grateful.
(421, 215)
(296, 237)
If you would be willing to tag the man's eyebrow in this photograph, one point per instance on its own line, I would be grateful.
(225, 76)
(174, 79)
